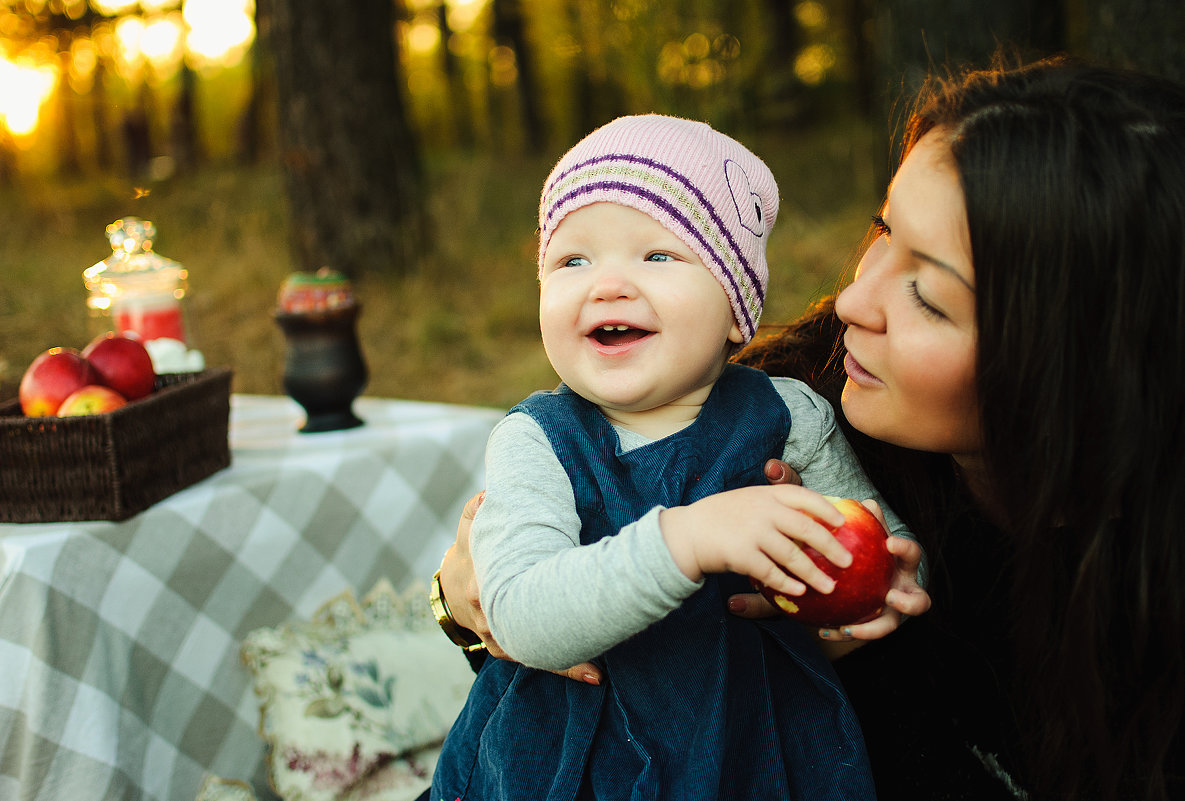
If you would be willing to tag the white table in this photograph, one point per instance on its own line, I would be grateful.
(120, 674)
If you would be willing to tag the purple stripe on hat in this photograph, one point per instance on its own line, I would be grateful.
(663, 203)
(686, 183)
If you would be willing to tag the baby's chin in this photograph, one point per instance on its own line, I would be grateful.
(655, 417)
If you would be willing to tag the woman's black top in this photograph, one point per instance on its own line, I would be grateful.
(933, 696)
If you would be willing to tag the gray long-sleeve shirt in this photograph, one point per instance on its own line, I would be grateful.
(552, 602)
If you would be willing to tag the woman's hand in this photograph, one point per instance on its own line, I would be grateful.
(905, 598)
(459, 584)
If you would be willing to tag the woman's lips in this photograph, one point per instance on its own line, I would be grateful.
(858, 374)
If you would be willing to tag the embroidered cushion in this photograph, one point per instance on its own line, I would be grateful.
(355, 703)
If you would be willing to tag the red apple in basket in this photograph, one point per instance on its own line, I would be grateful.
(91, 399)
(51, 377)
(860, 588)
(122, 363)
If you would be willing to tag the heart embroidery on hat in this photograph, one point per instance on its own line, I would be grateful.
(748, 203)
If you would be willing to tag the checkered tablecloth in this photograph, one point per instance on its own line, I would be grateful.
(120, 674)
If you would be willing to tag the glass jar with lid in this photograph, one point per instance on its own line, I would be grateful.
(137, 288)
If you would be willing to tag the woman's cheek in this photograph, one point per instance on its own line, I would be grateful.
(939, 396)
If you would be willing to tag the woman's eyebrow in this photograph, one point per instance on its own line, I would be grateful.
(917, 254)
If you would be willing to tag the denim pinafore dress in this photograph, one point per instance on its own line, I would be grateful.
(700, 706)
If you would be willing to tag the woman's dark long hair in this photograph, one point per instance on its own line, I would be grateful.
(1074, 181)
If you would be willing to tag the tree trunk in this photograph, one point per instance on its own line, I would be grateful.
(257, 120)
(858, 15)
(597, 96)
(589, 75)
(461, 109)
(186, 147)
(104, 155)
(137, 134)
(510, 31)
(351, 163)
(780, 99)
(1145, 34)
(7, 158)
(69, 162)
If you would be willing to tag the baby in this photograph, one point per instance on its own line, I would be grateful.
(623, 508)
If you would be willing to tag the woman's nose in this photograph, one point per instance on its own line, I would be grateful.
(861, 303)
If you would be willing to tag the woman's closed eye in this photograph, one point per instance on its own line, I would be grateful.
(880, 227)
(920, 302)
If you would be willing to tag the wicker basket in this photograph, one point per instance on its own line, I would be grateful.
(111, 466)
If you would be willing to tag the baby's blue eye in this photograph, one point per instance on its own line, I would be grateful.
(576, 261)
(660, 257)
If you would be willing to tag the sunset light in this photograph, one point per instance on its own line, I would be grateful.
(220, 31)
(160, 40)
(24, 88)
(142, 40)
(114, 8)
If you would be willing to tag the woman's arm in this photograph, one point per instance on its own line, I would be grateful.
(458, 583)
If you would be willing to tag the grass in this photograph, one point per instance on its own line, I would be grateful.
(461, 329)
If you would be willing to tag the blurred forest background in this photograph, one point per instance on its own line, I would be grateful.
(405, 141)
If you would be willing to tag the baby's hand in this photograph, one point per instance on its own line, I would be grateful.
(905, 597)
(757, 531)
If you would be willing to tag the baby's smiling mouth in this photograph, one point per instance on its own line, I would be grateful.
(617, 334)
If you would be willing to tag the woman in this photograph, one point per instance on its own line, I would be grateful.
(1011, 357)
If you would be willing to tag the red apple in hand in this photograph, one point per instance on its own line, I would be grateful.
(860, 588)
(122, 363)
(91, 399)
(51, 377)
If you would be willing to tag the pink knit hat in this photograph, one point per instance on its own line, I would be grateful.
(704, 187)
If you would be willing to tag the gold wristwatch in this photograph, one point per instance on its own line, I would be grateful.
(461, 636)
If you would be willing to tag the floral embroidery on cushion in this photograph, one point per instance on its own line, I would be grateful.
(356, 702)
